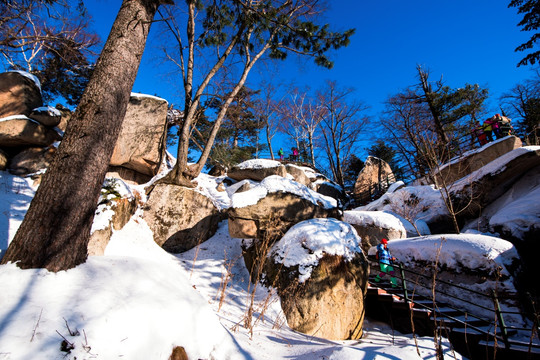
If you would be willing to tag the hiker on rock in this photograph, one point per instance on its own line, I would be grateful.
(488, 128)
(479, 132)
(385, 262)
(280, 153)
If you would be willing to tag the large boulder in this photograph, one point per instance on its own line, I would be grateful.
(474, 160)
(372, 226)
(299, 174)
(475, 192)
(257, 170)
(320, 274)
(140, 145)
(331, 189)
(46, 115)
(276, 203)
(373, 180)
(19, 93)
(180, 218)
(31, 160)
(25, 132)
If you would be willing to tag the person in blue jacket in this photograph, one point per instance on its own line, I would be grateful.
(385, 262)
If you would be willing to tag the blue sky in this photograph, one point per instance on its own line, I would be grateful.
(463, 41)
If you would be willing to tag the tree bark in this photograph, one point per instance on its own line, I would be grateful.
(56, 230)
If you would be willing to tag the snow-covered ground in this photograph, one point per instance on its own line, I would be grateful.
(138, 302)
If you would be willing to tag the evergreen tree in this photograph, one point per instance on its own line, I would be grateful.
(531, 21)
(384, 152)
(351, 168)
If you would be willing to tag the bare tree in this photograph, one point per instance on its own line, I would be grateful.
(50, 39)
(301, 116)
(241, 32)
(56, 229)
(341, 126)
(268, 109)
(523, 103)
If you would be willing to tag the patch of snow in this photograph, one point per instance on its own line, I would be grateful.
(394, 186)
(457, 251)
(142, 96)
(519, 216)
(17, 117)
(258, 164)
(276, 183)
(208, 186)
(308, 241)
(49, 110)
(430, 203)
(379, 219)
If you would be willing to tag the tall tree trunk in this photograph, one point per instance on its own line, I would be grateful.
(56, 229)
(428, 93)
(269, 140)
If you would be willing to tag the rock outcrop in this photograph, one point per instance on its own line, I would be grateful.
(475, 192)
(141, 143)
(180, 218)
(474, 160)
(373, 180)
(116, 207)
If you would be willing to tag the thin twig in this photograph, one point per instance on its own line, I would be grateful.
(37, 324)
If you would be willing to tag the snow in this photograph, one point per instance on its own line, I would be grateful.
(142, 96)
(137, 302)
(308, 241)
(457, 251)
(258, 164)
(17, 117)
(51, 111)
(374, 218)
(430, 203)
(276, 183)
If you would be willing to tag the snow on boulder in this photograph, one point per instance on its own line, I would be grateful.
(490, 182)
(372, 226)
(257, 169)
(476, 262)
(474, 159)
(276, 203)
(320, 273)
(46, 115)
(422, 204)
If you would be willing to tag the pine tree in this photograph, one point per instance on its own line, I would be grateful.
(530, 21)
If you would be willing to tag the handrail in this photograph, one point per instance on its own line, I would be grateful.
(493, 297)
